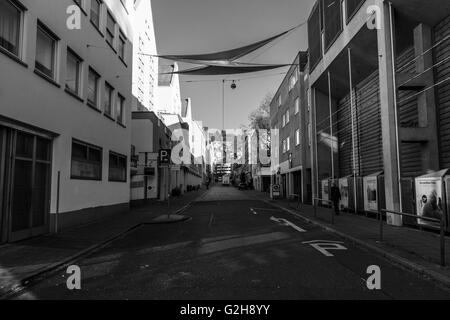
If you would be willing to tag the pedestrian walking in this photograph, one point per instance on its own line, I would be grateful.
(336, 198)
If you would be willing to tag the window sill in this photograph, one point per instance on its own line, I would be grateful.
(109, 117)
(123, 61)
(81, 8)
(47, 78)
(97, 28)
(93, 106)
(74, 95)
(119, 181)
(13, 57)
(111, 46)
(85, 179)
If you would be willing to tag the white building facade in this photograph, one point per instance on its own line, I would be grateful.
(64, 114)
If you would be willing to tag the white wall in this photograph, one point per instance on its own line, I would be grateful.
(27, 97)
(145, 66)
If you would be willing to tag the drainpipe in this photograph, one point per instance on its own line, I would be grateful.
(353, 112)
(57, 201)
(394, 81)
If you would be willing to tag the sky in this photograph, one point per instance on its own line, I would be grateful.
(205, 26)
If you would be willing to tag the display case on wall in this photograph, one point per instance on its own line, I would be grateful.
(432, 197)
(373, 192)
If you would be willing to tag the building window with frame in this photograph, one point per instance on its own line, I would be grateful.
(283, 123)
(297, 137)
(73, 72)
(117, 167)
(284, 146)
(86, 161)
(122, 46)
(108, 99)
(46, 44)
(288, 144)
(297, 106)
(110, 29)
(120, 106)
(279, 101)
(96, 7)
(287, 116)
(92, 88)
(10, 26)
(292, 81)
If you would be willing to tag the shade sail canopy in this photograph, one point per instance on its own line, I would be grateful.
(222, 70)
(223, 56)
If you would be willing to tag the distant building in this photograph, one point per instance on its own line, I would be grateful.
(169, 96)
(289, 114)
(145, 62)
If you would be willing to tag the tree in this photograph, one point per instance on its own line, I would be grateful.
(260, 118)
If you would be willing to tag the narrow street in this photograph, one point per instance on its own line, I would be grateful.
(234, 247)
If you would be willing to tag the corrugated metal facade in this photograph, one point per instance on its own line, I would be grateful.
(442, 72)
(368, 115)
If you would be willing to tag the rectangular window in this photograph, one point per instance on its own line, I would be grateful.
(297, 137)
(92, 90)
(352, 7)
(284, 146)
(108, 99)
(122, 46)
(288, 144)
(120, 104)
(110, 29)
(279, 100)
(309, 134)
(315, 35)
(86, 161)
(297, 106)
(308, 95)
(292, 81)
(284, 121)
(117, 167)
(10, 27)
(332, 13)
(287, 116)
(45, 51)
(96, 6)
(73, 72)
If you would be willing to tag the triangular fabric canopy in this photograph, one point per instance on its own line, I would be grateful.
(222, 70)
(229, 55)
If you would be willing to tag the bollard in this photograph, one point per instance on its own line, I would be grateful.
(380, 213)
(443, 242)
(315, 208)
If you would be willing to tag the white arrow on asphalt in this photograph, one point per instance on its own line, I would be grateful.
(323, 246)
(253, 211)
(287, 223)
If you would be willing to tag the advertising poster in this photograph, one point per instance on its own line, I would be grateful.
(429, 199)
(325, 192)
(371, 193)
(343, 188)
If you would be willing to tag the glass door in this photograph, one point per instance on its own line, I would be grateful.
(30, 186)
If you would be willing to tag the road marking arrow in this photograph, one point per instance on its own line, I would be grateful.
(253, 211)
(323, 246)
(287, 223)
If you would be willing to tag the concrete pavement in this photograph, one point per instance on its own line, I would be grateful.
(235, 247)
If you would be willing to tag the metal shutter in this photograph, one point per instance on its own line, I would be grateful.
(442, 72)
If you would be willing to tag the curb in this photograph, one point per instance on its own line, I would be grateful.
(402, 262)
(41, 275)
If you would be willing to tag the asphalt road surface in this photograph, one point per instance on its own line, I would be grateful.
(234, 247)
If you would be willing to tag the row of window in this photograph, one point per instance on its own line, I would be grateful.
(286, 115)
(100, 15)
(293, 79)
(87, 163)
(11, 16)
(287, 142)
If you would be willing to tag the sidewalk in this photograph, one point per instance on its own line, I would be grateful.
(416, 250)
(24, 261)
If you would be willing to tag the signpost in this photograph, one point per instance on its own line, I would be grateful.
(164, 159)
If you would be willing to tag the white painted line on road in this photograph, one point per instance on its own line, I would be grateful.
(323, 246)
(253, 211)
(287, 223)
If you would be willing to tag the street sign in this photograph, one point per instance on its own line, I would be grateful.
(164, 156)
(276, 190)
